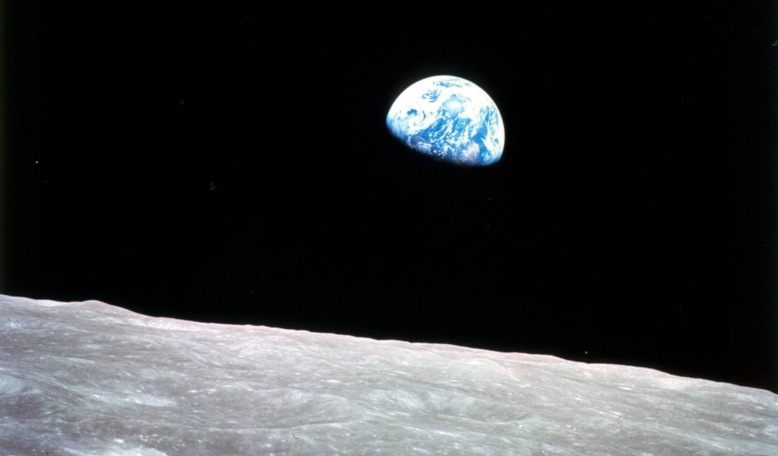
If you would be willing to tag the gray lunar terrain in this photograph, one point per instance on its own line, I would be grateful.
(88, 378)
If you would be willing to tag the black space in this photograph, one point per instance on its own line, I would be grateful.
(232, 165)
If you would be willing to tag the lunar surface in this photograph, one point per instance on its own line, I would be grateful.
(88, 378)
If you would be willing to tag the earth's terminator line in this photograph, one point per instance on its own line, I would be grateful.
(449, 118)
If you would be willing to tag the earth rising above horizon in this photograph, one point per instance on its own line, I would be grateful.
(450, 119)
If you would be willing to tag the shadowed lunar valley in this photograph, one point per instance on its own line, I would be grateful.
(89, 378)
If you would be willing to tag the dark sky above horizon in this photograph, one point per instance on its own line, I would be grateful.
(233, 165)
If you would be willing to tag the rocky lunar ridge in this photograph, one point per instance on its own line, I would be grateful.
(88, 378)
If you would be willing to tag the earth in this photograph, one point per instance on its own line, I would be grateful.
(450, 119)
